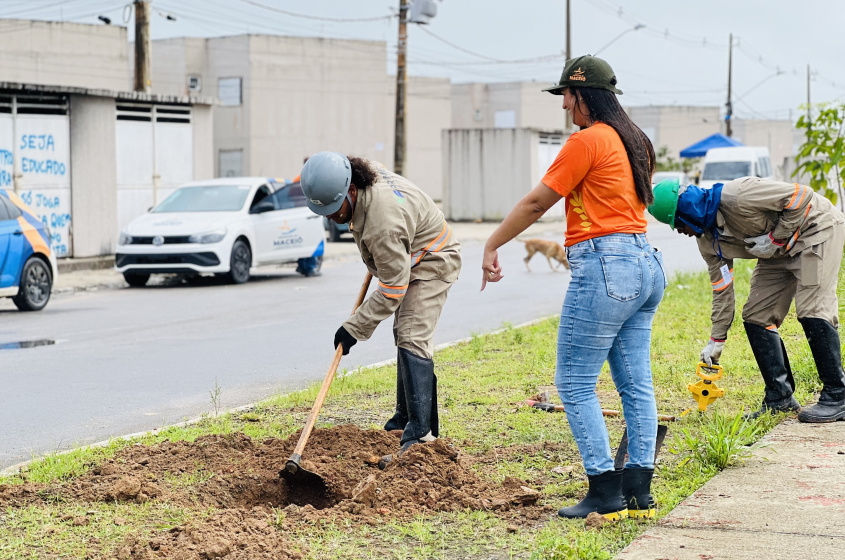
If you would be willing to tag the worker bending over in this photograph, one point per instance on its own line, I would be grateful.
(797, 237)
(406, 243)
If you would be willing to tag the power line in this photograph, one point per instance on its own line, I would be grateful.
(317, 18)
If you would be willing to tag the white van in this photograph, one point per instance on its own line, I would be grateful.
(725, 164)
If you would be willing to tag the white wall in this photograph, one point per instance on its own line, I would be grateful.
(228, 57)
(93, 175)
(428, 112)
(311, 94)
(486, 171)
(777, 135)
(675, 127)
(304, 95)
(203, 142)
(64, 54)
(475, 105)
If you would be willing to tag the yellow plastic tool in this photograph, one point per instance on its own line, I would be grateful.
(705, 391)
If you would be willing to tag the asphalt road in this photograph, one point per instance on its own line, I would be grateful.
(127, 360)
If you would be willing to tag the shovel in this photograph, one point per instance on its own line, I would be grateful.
(293, 471)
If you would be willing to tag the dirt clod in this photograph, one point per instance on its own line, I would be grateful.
(596, 521)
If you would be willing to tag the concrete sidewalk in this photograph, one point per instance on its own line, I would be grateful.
(786, 502)
(98, 272)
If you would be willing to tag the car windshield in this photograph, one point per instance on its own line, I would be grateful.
(211, 198)
(726, 170)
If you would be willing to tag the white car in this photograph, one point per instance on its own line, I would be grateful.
(223, 226)
(683, 178)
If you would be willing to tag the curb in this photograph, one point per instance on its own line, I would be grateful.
(16, 468)
(71, 264)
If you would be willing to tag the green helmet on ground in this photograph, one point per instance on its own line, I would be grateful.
(665, 201)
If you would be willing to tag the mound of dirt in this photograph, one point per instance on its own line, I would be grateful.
(239, 478)
(431, 477)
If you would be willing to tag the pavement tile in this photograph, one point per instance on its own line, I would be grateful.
(787, 501)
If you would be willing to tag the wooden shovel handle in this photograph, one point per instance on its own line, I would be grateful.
(327, 382)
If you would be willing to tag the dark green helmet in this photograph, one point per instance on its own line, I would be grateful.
(586, 71)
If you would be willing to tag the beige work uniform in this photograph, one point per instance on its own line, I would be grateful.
(805, 268)
(406, 243)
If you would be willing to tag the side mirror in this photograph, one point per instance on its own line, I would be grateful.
(261, 207)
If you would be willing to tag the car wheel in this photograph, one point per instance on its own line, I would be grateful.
(240, 262)
(334, 234)
(310, 266)
(136, 280)
(35, 287)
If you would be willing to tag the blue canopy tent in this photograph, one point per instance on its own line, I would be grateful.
(700, 148)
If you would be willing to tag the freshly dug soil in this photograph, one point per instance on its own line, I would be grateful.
(255, 508)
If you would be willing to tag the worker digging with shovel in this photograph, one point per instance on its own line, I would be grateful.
(406, 243)
(797, 237)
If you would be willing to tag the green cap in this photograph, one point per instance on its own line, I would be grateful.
(586, 71)
(665, 201)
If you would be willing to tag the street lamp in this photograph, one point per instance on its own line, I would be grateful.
(635, 28)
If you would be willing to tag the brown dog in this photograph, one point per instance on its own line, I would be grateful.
(550, 249)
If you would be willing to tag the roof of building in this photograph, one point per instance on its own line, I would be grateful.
(122, 95)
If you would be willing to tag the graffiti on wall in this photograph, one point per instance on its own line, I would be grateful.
(39, 153)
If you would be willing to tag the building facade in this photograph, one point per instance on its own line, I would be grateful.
(282, 99)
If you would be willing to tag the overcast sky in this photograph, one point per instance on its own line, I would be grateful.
(680, 57)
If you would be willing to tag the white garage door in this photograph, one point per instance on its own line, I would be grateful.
(154, 155)
(35, 160)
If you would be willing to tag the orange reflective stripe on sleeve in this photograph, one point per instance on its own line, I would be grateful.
(441, 238)
(796, 200)
(794, 237)
(721, 285)
(394, 292)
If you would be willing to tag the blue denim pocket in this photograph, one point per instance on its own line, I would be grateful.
(623, 276)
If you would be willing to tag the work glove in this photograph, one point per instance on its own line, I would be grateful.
(712, 352)
(343, 337)
(764, 246)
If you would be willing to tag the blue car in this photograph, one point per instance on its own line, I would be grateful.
(27, 265)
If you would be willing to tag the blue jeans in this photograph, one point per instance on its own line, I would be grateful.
(617, 283)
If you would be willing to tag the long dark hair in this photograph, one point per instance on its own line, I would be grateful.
(604, 107)
(362, 174)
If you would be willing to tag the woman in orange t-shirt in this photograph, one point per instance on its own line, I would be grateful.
(604, 171)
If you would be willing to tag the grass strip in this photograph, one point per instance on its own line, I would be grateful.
(482, 383)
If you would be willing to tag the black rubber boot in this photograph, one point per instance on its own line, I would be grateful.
(773, 362)
(420, 386)
(827, 353)
(420, 396)
(604, 497)
(636, 487)
(400, 416)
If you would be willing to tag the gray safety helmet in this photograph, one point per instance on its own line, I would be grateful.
(325, 181)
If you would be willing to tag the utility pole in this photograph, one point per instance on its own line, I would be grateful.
(401, 84)
(568, 56)
(728, 105)
(143, 54)
(809, 118)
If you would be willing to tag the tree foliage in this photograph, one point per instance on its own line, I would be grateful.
(823, 153)
(665, 162)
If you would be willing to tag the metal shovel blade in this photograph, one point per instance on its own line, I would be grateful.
(299, 477)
